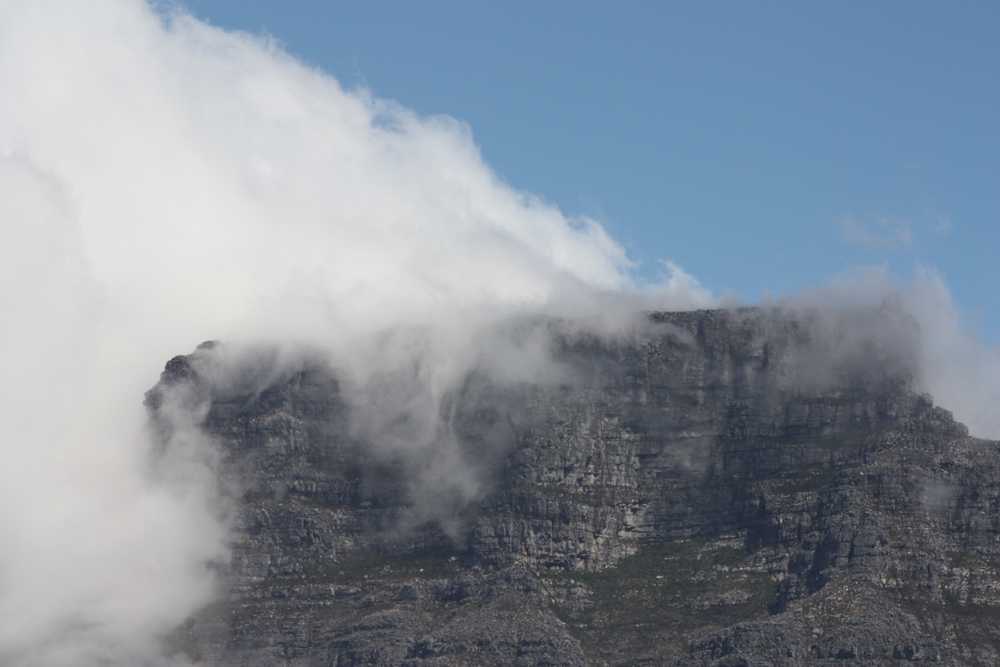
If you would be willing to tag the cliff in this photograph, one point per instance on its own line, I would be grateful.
(741, 487)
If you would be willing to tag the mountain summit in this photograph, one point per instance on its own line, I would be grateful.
(728, 487)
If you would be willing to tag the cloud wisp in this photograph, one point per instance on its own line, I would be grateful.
(960, 372)
(880, 234)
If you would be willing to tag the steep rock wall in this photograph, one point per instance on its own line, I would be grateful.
(760, 483)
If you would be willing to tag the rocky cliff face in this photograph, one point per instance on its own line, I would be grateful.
(711, 488)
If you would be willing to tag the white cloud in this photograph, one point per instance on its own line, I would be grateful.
(959, 371)
(165, 182)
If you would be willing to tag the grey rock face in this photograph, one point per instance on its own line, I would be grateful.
(712, 488)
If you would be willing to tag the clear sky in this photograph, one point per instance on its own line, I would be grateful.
(763, 147)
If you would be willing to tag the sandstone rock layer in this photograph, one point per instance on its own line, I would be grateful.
(741, 487)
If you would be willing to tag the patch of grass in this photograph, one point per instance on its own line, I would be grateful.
(662, 595)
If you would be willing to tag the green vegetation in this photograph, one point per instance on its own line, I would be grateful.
(663, 595)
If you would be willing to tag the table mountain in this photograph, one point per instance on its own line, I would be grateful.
(727, 487)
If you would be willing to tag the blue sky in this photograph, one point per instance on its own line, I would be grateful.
(763, 147)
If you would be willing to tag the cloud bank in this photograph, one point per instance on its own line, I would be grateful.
(163, 182)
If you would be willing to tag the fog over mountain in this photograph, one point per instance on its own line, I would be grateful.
(165, 183)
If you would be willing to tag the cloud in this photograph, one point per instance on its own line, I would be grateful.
(879, 234)
(959, 371)
(942, 225)
(166, 182)
(890, 234)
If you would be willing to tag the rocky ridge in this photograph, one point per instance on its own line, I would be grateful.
(711, 488)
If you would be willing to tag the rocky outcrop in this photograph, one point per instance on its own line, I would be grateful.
(712, 487)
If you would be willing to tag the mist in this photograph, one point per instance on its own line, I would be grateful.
(164, 183)
(960, 372)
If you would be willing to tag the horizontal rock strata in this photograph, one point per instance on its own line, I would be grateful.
(738, 487)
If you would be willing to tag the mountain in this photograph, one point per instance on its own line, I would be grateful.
(729, 487)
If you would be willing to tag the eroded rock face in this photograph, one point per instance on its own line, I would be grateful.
(714, 487)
